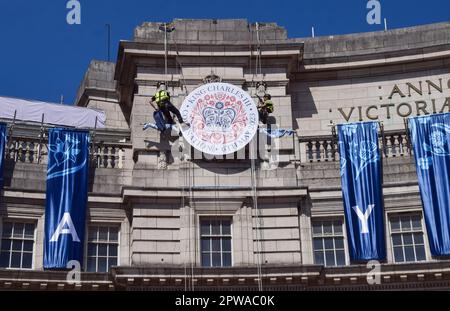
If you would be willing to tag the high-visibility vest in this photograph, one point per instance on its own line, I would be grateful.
(161, 97)
(269, 105)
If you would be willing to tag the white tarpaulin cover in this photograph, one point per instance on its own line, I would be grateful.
(56, 114)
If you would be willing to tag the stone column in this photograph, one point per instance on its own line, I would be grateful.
(243, 251)
(306, 232)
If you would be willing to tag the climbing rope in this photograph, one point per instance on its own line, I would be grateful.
(191, 206)
(183, 203)
(253, 154)
(165, 55)
(187, 168)
(254, 181)
(258, 56)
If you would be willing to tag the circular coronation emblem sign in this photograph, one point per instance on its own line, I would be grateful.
(223, 118)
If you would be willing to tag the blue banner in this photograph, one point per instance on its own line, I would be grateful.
(430, 137)
(2, 151)
(67, 184)
(362, 190)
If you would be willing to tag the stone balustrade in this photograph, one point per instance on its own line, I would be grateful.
(325, 148)
(107, 148)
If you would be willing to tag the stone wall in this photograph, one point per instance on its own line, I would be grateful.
(211, 31)
(367, 97)
(98, 91)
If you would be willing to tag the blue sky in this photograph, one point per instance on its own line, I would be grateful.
(42, 57)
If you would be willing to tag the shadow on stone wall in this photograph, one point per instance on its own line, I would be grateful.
(8, 168)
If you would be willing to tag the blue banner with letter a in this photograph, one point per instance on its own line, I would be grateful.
(362, 190)
(2, 151)
(67, 184)
(430, 138)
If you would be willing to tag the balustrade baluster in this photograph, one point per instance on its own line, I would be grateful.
(105, 156)
(317, 151)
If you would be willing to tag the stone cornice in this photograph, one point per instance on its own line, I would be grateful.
(205, 192)
(423, 275)
(313, 277)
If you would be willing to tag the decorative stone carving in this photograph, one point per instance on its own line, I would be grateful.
(162, 160)
(212, 78)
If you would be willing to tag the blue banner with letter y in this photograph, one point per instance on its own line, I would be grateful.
(2, 151)
(67, 184)
(430, 137)
(362, 190)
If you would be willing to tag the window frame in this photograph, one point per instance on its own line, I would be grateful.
(344, 237)
(199, 238)
(86, 243)
(409, 213)
(33, 254)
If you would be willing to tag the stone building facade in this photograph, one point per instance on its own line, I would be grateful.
(156, 221)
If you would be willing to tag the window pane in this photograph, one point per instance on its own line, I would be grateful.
(4, 259)
(102, 251)
(416, 224)
(318, 244)
(112, 262)
(6, 245)
(406, 224)
(113, 235)
(317, 228)
(103, 234)
(112, 250)
(205, 245)
(395, 225)
(92, 235)
(7, 230)
(407, 239)
(327, 227)
(318, 258)
(340, 257)
(28, 246)
(226, 245)
(339, 243)
(409, 253)
(216, 260)
(215, 227)
(27, 260)
(92, 249)
(329, 257)
(338, 227)
(18, 230)
(420, 252)
(216, 245)
(17, 245)
(102, 267)
(227, 259)
(226, 227)
(29, 230)
(15, 260)
(398, 254)
(328, 243)
(206, 262)
(396, 239)
(91, 264)
(418, 238)
(204, 227)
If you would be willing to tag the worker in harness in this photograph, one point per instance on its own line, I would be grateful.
(162, 100)
(265, 107)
